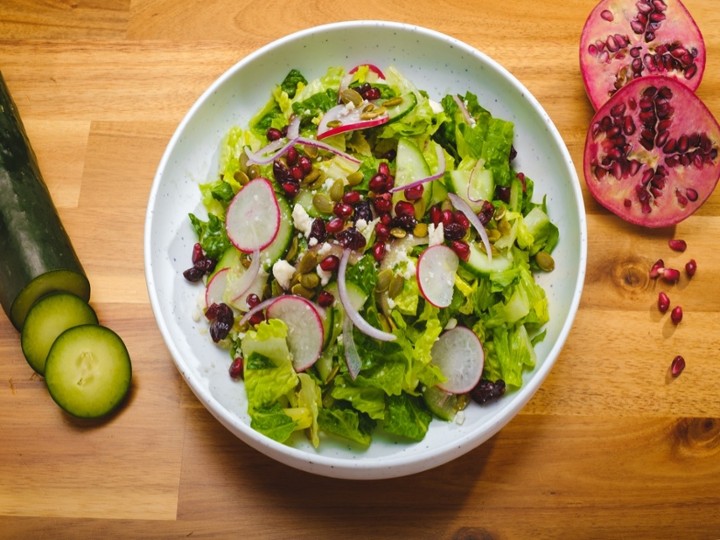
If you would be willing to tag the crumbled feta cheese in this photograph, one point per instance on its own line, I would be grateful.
(360, 224)
(283, 272)
(436, 235)
(323, 275)
(410, 269)
(435, 106)
(391, 303)
(301, 220)
(324, 249)
(312, 242)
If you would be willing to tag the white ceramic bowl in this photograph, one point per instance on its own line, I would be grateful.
(434, 62)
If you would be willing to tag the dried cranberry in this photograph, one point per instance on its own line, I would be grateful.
(351, 238)
(193, 274)
(487, 391)
(281, 172)
(222, 318)
(407, 223)
(363, 211)
(503, 193)
(486, 212)
(454, 231)
(317, 230)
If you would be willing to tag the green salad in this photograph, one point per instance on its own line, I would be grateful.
(368, 256)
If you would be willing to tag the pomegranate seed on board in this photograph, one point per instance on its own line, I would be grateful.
(677, 245)
(676, 314)
(691, 267)
(677, 366)
(663, 302)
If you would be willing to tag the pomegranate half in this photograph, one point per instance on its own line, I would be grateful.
(626, 39)
(651, 152)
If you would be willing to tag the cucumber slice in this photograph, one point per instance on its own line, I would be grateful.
(396, 112)
(277, 249)
(473, 186)
(49, 318)
(410, 166)
(88, 371)
(443, 404)
(479, 263)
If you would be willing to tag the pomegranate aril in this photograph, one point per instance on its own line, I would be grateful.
(690, 267)
(252, 300)
(291, 156)
(335, 225)
(383, 204)
(677, 245)
(197, 253)
(342, 210)
(325, 299)
(656, 269)
(378, 250)
(236, 368)
(273, 134)
(435, 215)
(676, 314)
(351, 197)
(404, 208)
(461, 249)
(330, 263)
(663, 302)
(378, 183)
(291, 188)
(448, 217)
(677, 366)
(305, 164)
(670, 275)
(382, 231)
(414, 193)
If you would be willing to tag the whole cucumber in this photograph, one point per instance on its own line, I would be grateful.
(36, 255)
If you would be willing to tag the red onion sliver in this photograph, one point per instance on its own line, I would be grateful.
(439, 174)
(248, 278)
(464, 110)
(352, 357)
(324, 146)
(270, 152)
(293, 130)
(262, 305)
(350, 311)
(460, 204)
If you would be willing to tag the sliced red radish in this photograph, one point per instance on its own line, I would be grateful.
(436, 270)
(305, 328)
(215, 290)
(342, 118)
(460, 356)
(372, 67)
(253, 217)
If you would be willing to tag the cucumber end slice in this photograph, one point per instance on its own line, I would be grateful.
(55, 281)
(88, 371)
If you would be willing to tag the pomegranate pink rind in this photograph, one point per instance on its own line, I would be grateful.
(651, 152)
(626, 39)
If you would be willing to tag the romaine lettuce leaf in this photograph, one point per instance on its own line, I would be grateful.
(407, 417)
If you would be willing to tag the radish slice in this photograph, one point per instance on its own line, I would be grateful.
(350, 311)
(439, 174)
(464, 207)
(436, 270)
(253, 217)
(215, 290)
(349, 119)
(460, 356)
(352, 357)
(372, 67)
(305, 328)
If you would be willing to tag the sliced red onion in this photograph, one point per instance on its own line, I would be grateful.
(460, 204)
(350, 311)
(439, 174)
(464, 110)
(293, 130)
(352, 357)
(324, 146)
(270, 152)
(261, 306)
(472, 173)
(248, 278)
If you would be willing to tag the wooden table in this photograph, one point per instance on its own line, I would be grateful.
(608, 447)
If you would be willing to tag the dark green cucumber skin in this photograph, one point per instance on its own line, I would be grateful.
(33, 241)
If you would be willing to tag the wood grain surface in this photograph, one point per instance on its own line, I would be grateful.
(609, 447)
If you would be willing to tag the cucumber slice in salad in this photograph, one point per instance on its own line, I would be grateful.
(49, 318)
(473, 186)
(88, 371)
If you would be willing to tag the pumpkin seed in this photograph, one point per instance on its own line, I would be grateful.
(350, 95)
(337, 190)
(393, 101)
(420, 230)
(241, 178)
(334, 123)
(545, 261)
(383, 280)
(307, 262)
(375, 112)
(397, 232)
(322, 202)
(310, 280)
(253, 171)
(302, 291)
(292, 250)
(310, 177)
(355, 178)
(396, 285)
